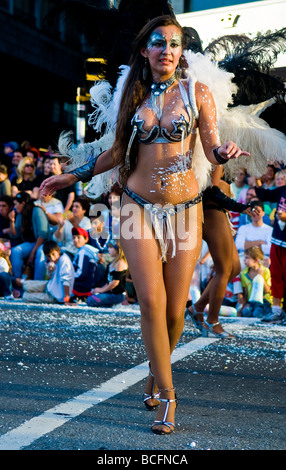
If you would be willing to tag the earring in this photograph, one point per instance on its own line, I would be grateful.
(145, 71)
(178, 72)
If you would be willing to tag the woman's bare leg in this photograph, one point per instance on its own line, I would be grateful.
(178, 273)
(226, 263)
(156, 285)
(143, 256)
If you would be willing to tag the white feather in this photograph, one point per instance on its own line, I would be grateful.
(202, 69)
(106, 106)
(106, 103)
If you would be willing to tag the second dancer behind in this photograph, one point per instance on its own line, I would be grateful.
(154, 142)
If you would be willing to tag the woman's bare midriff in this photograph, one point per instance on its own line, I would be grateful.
(163, 176)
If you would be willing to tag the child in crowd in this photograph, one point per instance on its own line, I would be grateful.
(5, 271)
(256, 285)
(59, 288)
(113, 292)
(89, 271)
(99, 236)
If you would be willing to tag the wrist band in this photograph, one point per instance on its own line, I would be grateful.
(221, 160)
(85, 173)
(66, 299)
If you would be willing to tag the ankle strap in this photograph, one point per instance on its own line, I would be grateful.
(211, 325)
(167, 389)
(166, 400)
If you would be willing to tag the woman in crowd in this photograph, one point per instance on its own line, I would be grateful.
(5, 271)
(112, 292)
(155, 137)
(27, 179)
(30, 225)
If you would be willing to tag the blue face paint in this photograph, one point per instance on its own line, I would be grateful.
(158, 41)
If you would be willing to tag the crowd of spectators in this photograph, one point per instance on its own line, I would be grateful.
(58, 248)
(61, 249)
(260, 288)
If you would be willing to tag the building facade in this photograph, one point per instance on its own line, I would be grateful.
(41, 68)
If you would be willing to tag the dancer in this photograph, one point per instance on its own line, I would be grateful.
(223, 251)
(155, 136)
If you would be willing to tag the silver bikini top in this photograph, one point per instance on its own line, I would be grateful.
(182, 127)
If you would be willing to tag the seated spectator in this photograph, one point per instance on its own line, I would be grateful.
(66, 195)
(27, 179)
(17, 157)
(268, 179)
(52, 207)
(89, 272)
(99, 237)
(256, 285)
(35, 154)
(113, 292)
(77, 218)
(30, 224)
(9, 149)
(6, 206)
(46, 168)
(59, 288)
(112, 213)
(5, 184)
(5, 273)
(280, 178)
(256, 233)
(239, 183)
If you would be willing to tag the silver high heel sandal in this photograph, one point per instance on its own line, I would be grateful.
(147, 396)
(223, 335)
(197, 324)
(168, 424)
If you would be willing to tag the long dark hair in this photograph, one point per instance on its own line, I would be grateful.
(133, 94)
(27, 213)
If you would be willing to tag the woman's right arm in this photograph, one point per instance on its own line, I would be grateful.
(103, 163)
(215, 152)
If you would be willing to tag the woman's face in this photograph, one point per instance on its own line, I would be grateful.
(29, 167)
(280, 179)
(163, 51)
(19, 206)
(112, 251)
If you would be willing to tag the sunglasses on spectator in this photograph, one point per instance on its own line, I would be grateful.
(29, 165)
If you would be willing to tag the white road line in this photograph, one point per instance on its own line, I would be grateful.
(31, 430)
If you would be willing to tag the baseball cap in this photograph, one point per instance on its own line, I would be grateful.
(79, 231)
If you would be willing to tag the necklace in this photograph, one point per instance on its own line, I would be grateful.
(157, 94)
(159, 87)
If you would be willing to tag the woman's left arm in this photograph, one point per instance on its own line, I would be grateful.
(215, 152)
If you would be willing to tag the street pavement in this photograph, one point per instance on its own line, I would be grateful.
(72, 378)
